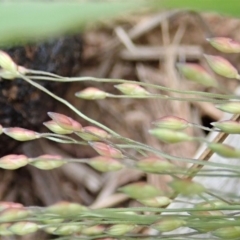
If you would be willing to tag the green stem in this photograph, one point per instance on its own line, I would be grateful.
(139, 145)
(31, 71)
(80, 79)
(44, 135)
(168, 210)
(218, 197)
(147, 148)
(165, 97)
(69, 105)
(61, 140)
(204, 128)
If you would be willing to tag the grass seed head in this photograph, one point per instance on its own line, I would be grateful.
(93, 230)
(154, 165)
(65, 209)
(21, 134)
(65, 122)
(7, 63)
(91, 93)
(120, 229)
(47, 162)
(106, 150)
(205, 206)
(13, 161)
(131, 89)
(226, 45)
(5, 74)
(168, 224)
(156, 201)
(92, 133)
(140, 190)
(4, 229)
(5, 205)
(105, 164)
(232, 232)
(230, 107)
(54, 127)
(171, 122)
(187, 187)
(221, 66)
(23, 228)
(228, 126)
(169, 136)
(196, 73)
(66, 230)
(13, 214)
(224, 150)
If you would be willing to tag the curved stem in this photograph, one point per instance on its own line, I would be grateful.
(56, 135)
(132, 143)
(54, 139)
(44, 73)
(69, 105)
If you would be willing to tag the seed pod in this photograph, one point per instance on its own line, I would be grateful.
(196, 73)
(205, 205)
(230, 107)
(209, 224)
(187, 187)
(131, 89)
(21, 134)
(48, 219)
(226, 45)
(169, 136)
(65, 121)
(13, 214)
(168, 224)
(211, 204)
(155, 165)
(224, 150)
(228, 232)
(106, 150)
(93, 230)
(47, 162)
(4, 229)
(54, 127)
(228, 126)
(5, 205)
(105, 164)
(140, 190)
(50, 230)
(23, 228)
(65, 209)
(91, 133)
(22, 70)
(120, 229)
(221, 66)
(171, 122)
(91, 93)
(67, 229)
(7, 63)
(156, 202)
(5, 74)
(13, 161)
